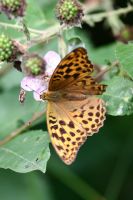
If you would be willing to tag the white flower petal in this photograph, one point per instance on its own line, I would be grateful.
(25, 83)
(39, 84)
(29, 83)
(52, 59)
(37, 96)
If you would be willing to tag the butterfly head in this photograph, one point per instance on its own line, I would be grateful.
(53, 96)
(44, 96)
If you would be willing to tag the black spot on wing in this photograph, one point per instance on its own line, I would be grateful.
(76, 75)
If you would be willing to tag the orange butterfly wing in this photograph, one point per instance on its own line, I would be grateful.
(74, 72)
(70, 121)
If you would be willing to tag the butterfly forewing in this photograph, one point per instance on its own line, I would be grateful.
(71, 68)
(73, 72)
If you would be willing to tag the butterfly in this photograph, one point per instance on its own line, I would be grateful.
(74, 112)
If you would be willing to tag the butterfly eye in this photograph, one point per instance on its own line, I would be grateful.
(43, 96)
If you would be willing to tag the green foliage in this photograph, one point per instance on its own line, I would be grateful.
(25, 153)
(119, 93)
(119, 96)
(124, 54)
(29, 151)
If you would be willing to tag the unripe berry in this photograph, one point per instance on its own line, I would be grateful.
(6, 48)
(33, 65)
(10, 50)
(69, 12)
(125, 35)
(13, 8)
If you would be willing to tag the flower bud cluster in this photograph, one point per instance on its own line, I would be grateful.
(6, 48)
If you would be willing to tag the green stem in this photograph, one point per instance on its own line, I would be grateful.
(18, 27)
(18, 131)
(4, 69)
(92, 18)
(46, 35)
(74, 182)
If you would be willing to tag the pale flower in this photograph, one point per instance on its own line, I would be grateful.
(39, 84)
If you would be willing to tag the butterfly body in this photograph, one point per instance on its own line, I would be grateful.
(74, 111)
(60, 95)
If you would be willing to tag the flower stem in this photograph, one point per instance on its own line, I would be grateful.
(47, 34)
(19, 27)
(100, 75)
(92, 18)
(22, 128)
(4, 69)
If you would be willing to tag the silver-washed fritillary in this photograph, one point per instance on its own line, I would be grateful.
(74, 112)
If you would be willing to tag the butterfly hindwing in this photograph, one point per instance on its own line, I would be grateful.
(69, 124)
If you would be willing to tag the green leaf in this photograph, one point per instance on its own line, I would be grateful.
(25, 153)
(119, 96)
(27, 147)
(124, 54)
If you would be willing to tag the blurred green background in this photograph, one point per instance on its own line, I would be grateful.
(103, 168)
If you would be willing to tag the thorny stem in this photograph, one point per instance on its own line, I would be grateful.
(99, 76)
(19, 27)
(5, 69)
(92, 18)
(45, 35)
(22, 128)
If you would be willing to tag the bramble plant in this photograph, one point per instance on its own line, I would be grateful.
(69, 12)
(6, 48)
(33, 65)
(34, 39)
(13, 8)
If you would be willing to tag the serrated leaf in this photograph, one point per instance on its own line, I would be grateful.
(119, 96)
(124, 54)
(25, 153)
